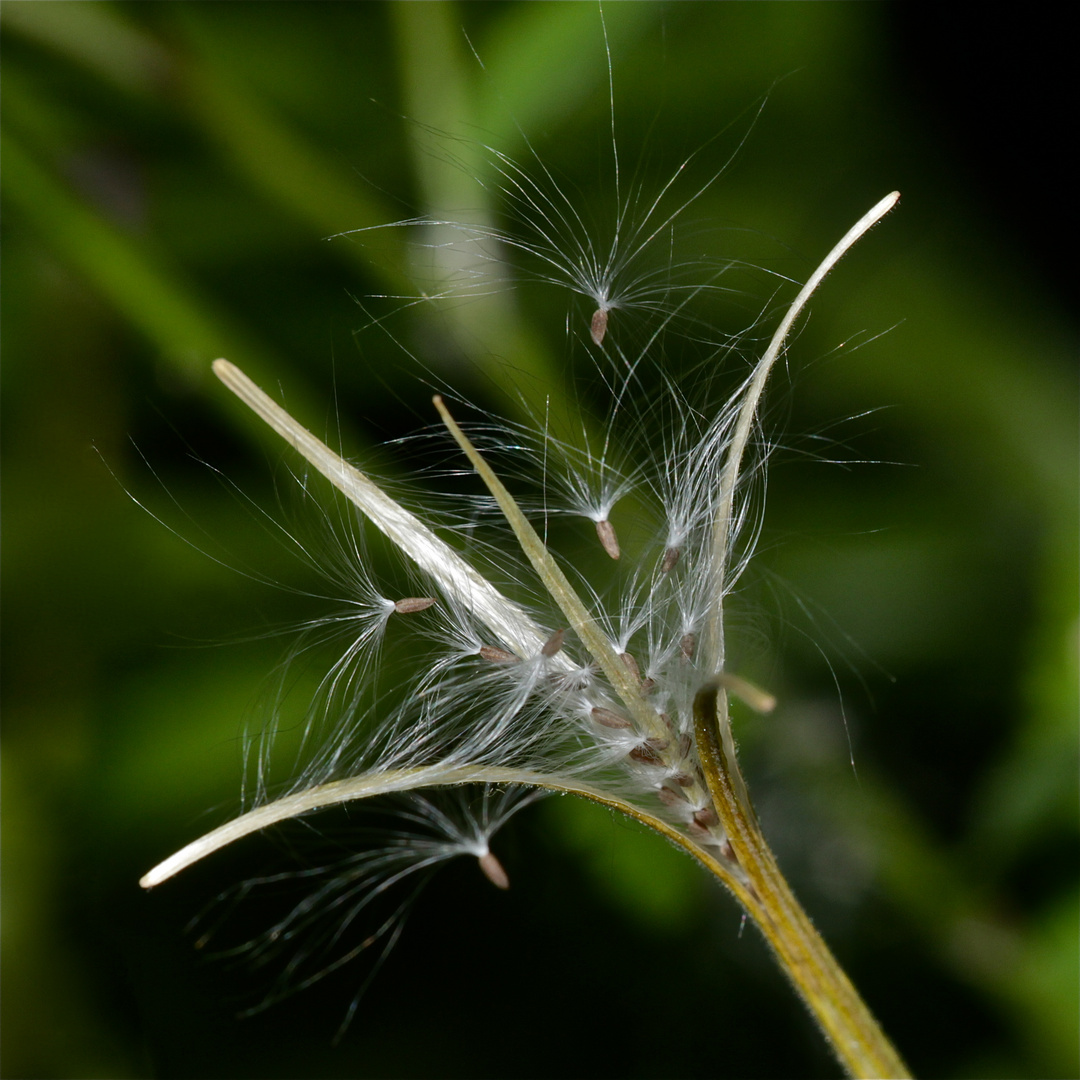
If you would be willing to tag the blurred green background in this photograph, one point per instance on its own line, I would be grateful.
(171, 173)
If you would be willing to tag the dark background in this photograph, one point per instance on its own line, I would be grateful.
(171, 172)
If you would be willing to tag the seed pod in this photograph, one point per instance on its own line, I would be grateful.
(606, 531)
(493, 870)
(413, 603)
(598, 326)
(610, 719)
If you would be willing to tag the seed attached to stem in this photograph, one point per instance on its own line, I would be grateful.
(701, 834)
(610, 719)
(648, 752)
(645, 755)
(670, 797)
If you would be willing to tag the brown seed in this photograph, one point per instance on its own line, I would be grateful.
(648, 752)
(671, 557)
(493, 870)
(598, 326)
(683, 779)
(413, 603)
(610, 719)
(631, 665)
(647, 686)
(687, 645)
(606, 531)
(728, 851)
(645, 755)
(706, 817)
(498, 656)
(671, 798)
(553, 643)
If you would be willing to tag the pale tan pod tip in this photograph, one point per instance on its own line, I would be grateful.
(759, 700)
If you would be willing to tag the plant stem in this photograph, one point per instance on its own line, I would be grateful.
(835, 1004)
